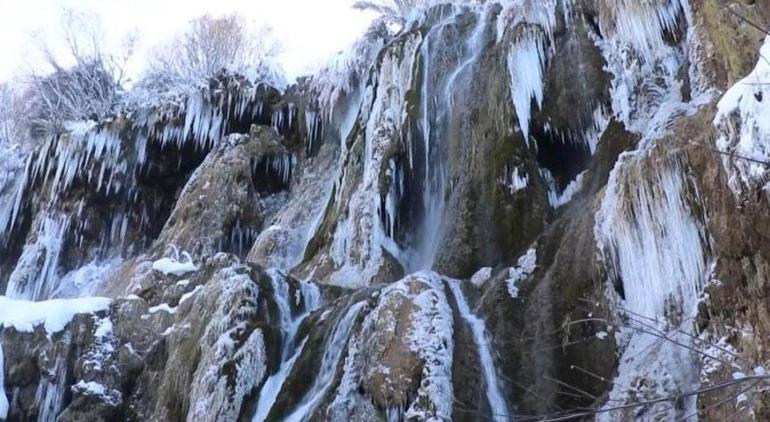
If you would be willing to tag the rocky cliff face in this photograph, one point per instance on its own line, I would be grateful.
(513, 210)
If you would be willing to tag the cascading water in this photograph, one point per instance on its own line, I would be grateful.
(331, 358)
(495, 396)
(311, 300)
(436, 112)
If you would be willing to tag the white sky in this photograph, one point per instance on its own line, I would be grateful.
(310, 30)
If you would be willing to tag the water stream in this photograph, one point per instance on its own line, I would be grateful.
(311, 299)
(331, 358)
(494, 394)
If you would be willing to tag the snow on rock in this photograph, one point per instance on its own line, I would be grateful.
(514, 180)
(101, 351)
(163, 307)
(481, 276)
(409, 329)
(185, 297)
(432, 337)
(526, 265)
(229, 342)
(744, 119)
(173, 266)
(105, 395)
(54, 314)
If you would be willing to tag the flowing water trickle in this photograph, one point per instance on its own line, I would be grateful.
(436, 113)
(331, 358)
(311, 299)
(494, 394)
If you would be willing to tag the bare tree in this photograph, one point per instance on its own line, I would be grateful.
(89, 88)
(394, 10)
(12, 112)
(85, 91)
(209, 45)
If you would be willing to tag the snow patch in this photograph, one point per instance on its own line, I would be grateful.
(481, 277)
(526, 265)
(173, 266)
(106, 395)
(54, 314)
(744, 118)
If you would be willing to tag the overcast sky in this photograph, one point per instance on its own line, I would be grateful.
(310, 30)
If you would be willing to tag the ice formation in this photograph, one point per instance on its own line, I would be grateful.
(365, 194)
(33, 279)
(654, 244)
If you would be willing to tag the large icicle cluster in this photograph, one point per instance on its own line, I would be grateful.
(360, 240)
(531, 24)
(645, 69)
(655, 246)
(36, 275)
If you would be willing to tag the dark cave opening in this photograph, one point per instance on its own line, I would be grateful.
(272, 173)
(560, 153)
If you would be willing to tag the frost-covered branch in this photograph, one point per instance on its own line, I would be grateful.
(12, 115)
(85, 91)
(395, 10)
(89, 88)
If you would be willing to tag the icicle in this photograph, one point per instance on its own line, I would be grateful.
(50, 392)
(32, 279)
(651, 240)
(312, 126)
(526, 66)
